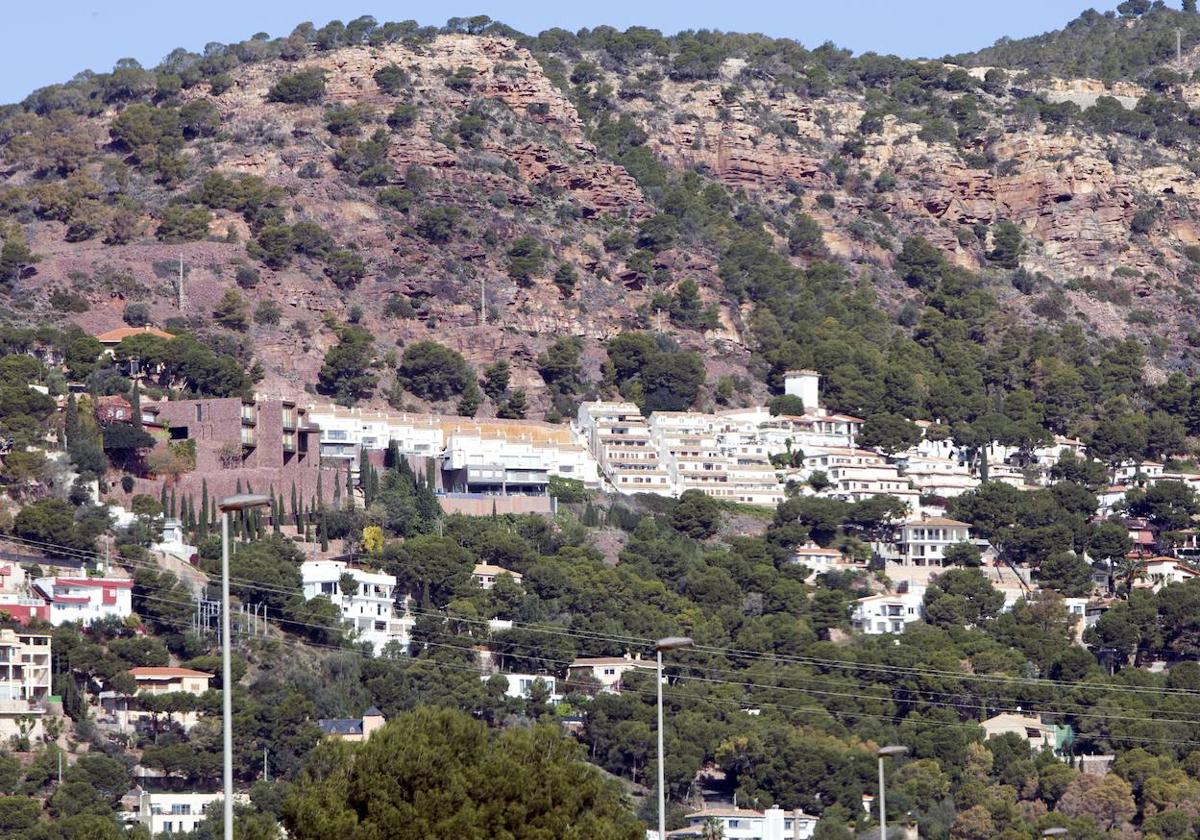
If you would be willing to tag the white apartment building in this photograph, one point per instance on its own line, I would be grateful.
(619, 439)
(472, 463)
(888, 612)
(346, 431)
(24, 683)
(168, 813)
(370, 611)
(923, 542)
(753, 482)
(85, 599)
(749, 824)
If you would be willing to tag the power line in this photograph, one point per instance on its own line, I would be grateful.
(732, 653)
(833, 713)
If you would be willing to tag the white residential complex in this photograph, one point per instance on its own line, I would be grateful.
(484, 455)
(370, 610)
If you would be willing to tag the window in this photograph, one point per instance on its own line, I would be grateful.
(168, 826)
(608, 672)
(199, 415)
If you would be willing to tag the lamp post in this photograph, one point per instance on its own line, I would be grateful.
(886, 752)
(229, 505)
(669, 643)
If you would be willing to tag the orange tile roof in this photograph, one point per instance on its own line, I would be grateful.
(121, 333)
(156, 673)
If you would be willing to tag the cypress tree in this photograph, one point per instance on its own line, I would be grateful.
(320, 492)
(295, 506)
(202, 522)
(135, 402)
(337, 492)
(324, 532)
(162, 499)
(349, 488)
(174, 509)
(71, 420)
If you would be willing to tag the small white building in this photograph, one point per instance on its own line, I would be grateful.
(923, 542)
(888, 612)
(370, 611)
(818, 559)
(521, 685)
(85, 599)
(749, 824)
(485, 575)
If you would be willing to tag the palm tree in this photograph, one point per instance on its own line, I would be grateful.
(1129, 569)
(712, 830)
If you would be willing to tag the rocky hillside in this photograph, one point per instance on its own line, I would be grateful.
(591, 185)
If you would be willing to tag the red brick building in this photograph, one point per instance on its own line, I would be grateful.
(261, 445)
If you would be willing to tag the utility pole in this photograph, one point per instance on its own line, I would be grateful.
(1179, 46)
(266, 773)
(182, 295)
(482, 299)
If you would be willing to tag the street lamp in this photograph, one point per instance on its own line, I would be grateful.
(669, 643)
(230, 504)
(886, 752)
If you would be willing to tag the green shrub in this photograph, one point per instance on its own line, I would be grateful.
(304, 88)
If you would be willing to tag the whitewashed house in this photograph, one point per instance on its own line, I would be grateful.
(889, 612)
(86, 599)
(750, 824)
(607, 670)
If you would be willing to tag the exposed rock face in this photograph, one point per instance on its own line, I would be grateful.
(532, 170)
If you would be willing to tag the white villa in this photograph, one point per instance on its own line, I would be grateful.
(888, 612)
(370, 610)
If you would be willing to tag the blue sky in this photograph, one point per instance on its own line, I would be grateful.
(52, 40)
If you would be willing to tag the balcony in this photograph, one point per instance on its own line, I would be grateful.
(289, 418)
(249, 438)
(289, 441)
(249, 415)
